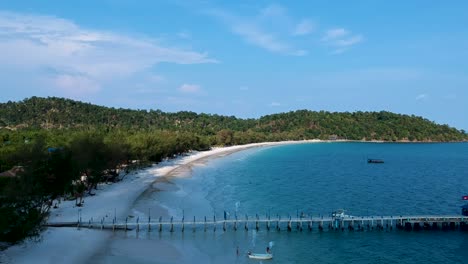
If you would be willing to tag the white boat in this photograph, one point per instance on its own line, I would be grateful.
(340, 213)
(260, 256)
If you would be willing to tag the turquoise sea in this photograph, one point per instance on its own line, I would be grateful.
(313, 179)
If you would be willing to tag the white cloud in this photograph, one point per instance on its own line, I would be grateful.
(80, 60)
(184, 35)
(335, 33)
(421, 97)
(305, 27)
(190, 88)
(260, 30)
(273, 10)
(275, 104)
(341, 39)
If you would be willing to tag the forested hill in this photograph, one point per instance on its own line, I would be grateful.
(47, 145)
(58, 113)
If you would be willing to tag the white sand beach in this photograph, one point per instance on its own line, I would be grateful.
(69, 245)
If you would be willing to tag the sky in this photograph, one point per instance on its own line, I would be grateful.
(242, 58)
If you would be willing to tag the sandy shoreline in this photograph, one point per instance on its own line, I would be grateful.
(77, 246)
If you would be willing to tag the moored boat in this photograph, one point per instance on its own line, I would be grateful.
(260, 256)
(375, 161)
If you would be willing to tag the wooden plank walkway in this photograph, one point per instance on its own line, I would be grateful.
(407, 222)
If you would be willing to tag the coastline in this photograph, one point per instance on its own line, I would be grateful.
(111, 200)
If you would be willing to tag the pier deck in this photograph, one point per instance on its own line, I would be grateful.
(406, 222)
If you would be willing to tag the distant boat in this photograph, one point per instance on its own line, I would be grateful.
(260, 256)
(375, 161)
(340, 213)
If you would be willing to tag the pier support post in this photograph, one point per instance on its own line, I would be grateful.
(172, 224)
(235, 224)
(138, 225)
(278, 228)
(289, 224)
(246, 221)
(149, 224)
(214, 223)
(194, 225)
(205, 225)
(160, 224)
(268, 222)
(256, 222)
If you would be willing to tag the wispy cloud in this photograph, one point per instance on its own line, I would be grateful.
(190, 88)
(341, 39)
(421, 97)
(258, 30)
(305, 27)
(79, 60)
(275, 104)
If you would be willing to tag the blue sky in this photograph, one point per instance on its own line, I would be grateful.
(242, 58)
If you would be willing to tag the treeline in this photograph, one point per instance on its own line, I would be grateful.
(60, 148)
(54, 165)
(58, 113)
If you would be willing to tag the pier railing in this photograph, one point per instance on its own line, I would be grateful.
(278, 223)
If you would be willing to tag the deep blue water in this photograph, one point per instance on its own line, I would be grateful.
(317, 179)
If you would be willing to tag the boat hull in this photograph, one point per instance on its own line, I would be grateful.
(260, 256)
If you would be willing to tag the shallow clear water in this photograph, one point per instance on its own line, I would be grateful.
(314, 179)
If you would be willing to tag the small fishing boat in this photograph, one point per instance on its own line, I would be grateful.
(340, 213)
(260, 256)
(375, 161)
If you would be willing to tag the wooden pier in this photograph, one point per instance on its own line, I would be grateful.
(278, 223)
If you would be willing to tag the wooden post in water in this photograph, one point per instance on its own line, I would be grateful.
(138, 224)
(289, 224)
(205, 225)
(194, 226)
(183, 224)
(126, 224)
(214, 223)
(224, 221)
(246, 221)
(172, 224)
(299, 221)
(268, 222)
(310, 225)
(235, 224)
(102, 223)
(160, 224)
(149, 220)
(256, 222)
(278, 228)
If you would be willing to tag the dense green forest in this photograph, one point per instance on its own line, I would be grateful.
(64, 114)
(51, 143)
